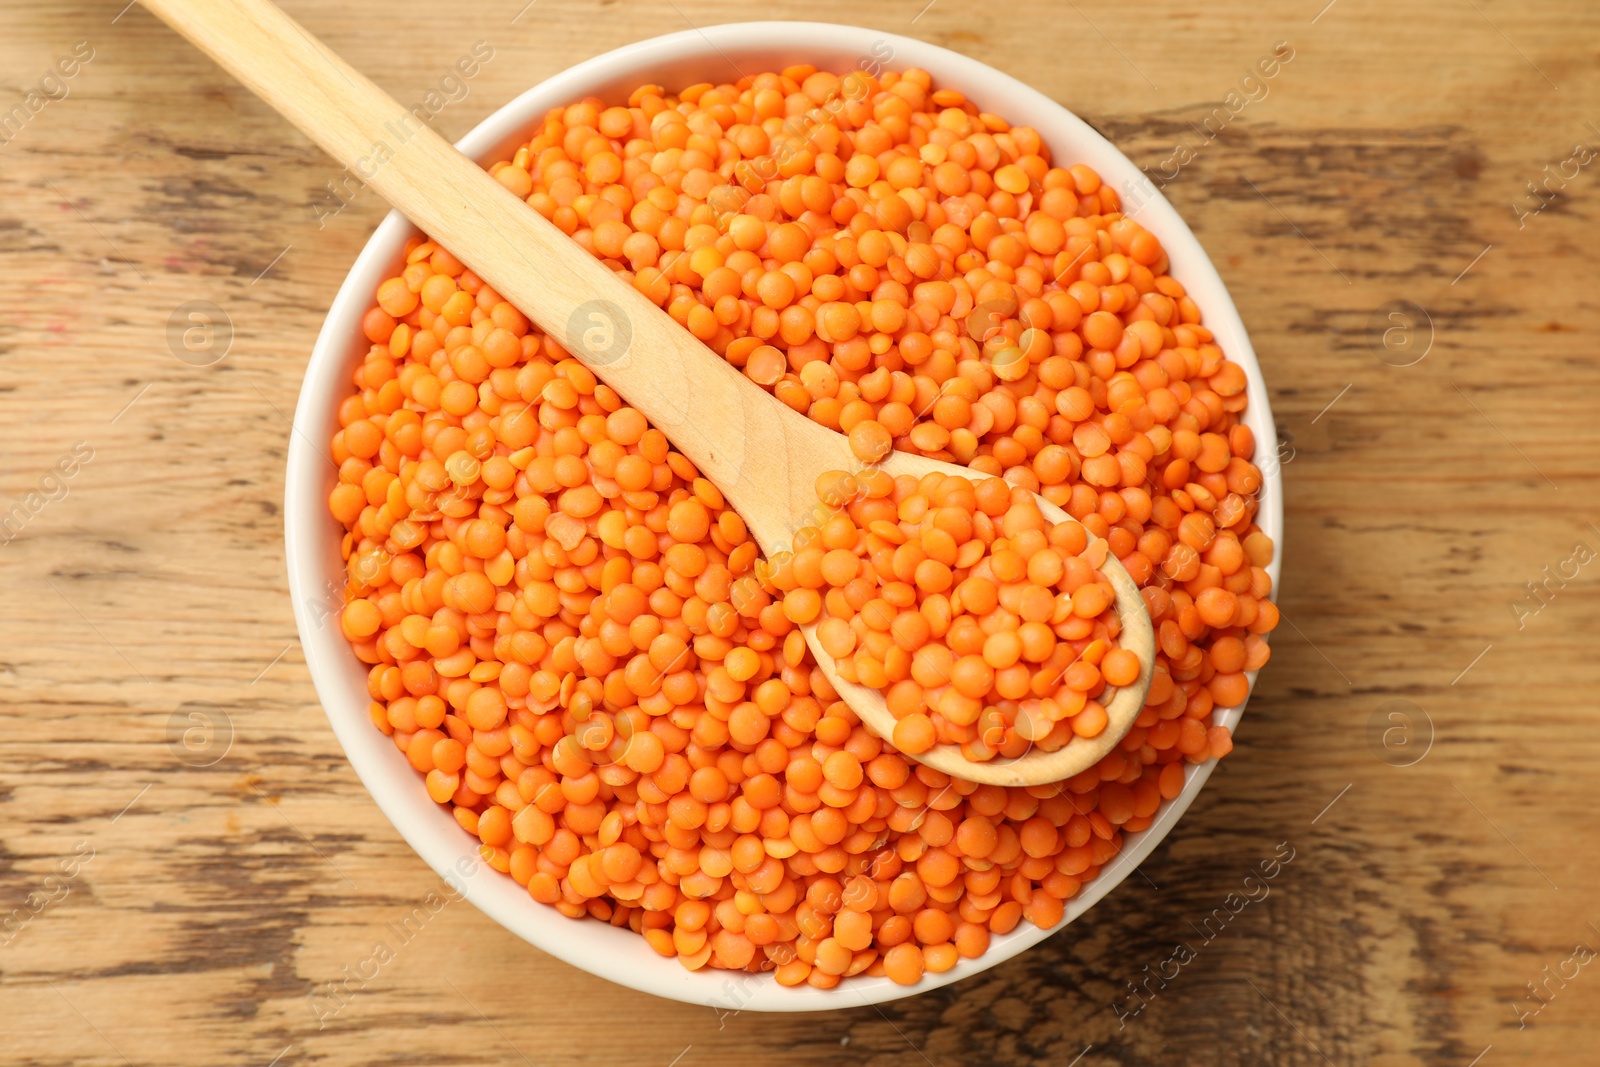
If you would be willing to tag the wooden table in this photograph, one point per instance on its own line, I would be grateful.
(1425, 745)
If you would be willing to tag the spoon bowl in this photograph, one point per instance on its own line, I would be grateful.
(1036, 766)
(779, 497)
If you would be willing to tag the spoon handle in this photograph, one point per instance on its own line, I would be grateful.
(705, 406)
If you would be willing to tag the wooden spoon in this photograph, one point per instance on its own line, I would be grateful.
(764, 456)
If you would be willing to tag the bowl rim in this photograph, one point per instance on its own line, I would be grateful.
(311, 545)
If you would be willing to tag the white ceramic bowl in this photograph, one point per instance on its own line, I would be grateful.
(718, 53)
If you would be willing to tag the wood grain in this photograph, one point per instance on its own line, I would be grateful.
(1381, 166)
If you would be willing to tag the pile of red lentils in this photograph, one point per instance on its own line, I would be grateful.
(983, 624)
(546, 590)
